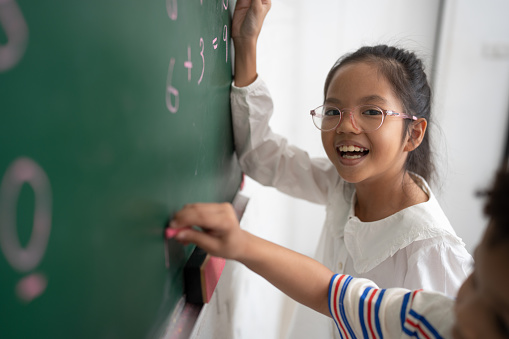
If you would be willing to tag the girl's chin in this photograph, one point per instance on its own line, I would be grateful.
(349, 175)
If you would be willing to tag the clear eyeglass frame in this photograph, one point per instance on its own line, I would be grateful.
(354, 114)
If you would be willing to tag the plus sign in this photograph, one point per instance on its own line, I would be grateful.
(188, 64)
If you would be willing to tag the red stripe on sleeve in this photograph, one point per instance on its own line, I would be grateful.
(369, 313)
(336, 305)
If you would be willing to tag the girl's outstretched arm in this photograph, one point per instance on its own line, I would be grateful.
(300, 277)
(247, 24)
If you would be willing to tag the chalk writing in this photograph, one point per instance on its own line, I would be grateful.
(225, 39)
(202, 45)
(171, 91)
(171, 8)
(188, 64)
(20, 171)
(16, 30)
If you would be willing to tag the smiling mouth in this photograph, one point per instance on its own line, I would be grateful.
(351, 152)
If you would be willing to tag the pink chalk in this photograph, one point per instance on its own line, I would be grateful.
(172, 232)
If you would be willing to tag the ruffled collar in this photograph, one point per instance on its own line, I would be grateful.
(370, 243)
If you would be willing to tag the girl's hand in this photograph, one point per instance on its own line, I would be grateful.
(248, 19)
(247, 24)
(221, 235)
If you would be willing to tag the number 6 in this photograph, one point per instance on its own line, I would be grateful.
(170, 90)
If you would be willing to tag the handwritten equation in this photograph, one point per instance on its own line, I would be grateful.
(172, 93)
(26, 259)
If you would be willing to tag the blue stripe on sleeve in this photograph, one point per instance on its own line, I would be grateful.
(403, 308)
(331, 285)
(342, 307)
(426, 323)
(330, 293)
(377, 312)
(361, 311)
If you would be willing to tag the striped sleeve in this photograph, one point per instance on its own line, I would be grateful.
(362, 310)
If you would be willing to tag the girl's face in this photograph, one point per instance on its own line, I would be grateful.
(382, 152)
(482, 304)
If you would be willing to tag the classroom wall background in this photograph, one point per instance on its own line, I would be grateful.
(465, 46)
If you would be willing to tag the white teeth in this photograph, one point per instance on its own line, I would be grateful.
(351, 148)
(345, 156)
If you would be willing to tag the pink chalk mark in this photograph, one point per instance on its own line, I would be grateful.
(31, 287)
(225, 38)
(188, 64)
(202, 45)
(172, 232)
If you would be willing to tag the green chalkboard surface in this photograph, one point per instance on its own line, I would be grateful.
(113, 115)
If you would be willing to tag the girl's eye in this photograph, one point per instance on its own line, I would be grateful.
(371, 111)
(331, 112)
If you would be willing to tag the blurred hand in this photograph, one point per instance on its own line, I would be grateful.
(221, 235)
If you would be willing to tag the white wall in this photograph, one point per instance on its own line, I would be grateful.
(471, 106)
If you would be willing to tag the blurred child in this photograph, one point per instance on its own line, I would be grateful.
(358, 306)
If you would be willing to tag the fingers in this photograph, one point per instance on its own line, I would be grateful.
(261, 5)
(211, 217)
(242, 4)
(221, 234)
(203, 240)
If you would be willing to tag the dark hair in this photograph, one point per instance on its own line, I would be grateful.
(497, 207)
(405, 72)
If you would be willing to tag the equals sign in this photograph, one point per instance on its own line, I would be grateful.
(214, 43)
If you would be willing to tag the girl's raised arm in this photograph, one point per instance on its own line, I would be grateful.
(300, 277)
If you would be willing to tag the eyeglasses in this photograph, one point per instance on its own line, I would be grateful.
(364, 118)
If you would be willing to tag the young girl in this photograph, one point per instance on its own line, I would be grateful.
(358, 307)
(383, 222)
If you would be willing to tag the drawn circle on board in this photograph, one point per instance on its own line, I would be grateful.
(20, 171)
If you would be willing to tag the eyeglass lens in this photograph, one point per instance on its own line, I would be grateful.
(366, 118)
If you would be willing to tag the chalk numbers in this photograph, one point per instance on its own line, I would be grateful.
(25, 259)
(171, 8)
(16, 30)
(202, 45)
(225, 39)
(172, 93)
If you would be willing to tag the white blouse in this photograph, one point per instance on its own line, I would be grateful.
(413, 248)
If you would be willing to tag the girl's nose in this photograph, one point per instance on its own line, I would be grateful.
(347, 124)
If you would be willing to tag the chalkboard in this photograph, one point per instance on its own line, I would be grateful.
(114, 114)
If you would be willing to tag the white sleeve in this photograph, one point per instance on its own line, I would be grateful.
(267, 157)
(360, 309)
(437, 265)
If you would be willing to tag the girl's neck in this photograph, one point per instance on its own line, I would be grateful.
(380, 199)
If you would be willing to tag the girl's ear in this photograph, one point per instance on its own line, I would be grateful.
(416, 132)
